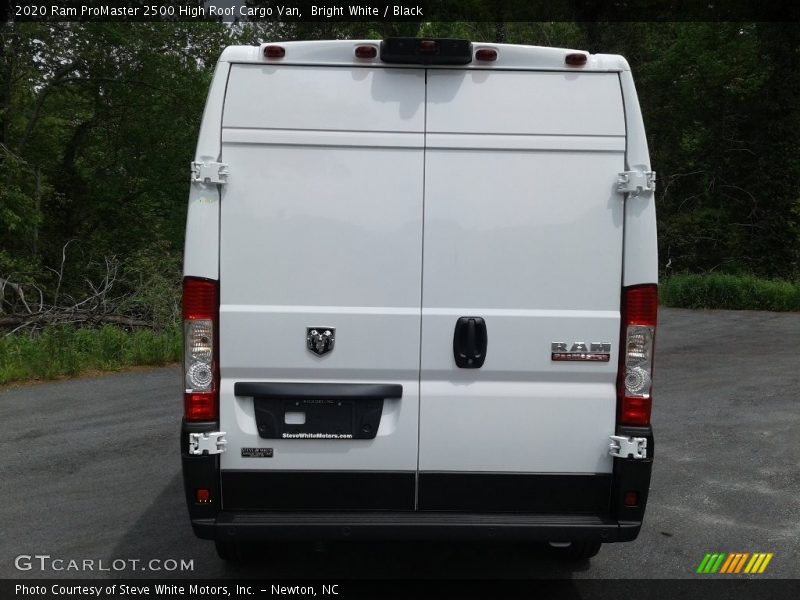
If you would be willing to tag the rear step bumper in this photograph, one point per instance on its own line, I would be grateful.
(478, 515)
(412, 526)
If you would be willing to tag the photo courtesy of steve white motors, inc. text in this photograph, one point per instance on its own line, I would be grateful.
(164, 589)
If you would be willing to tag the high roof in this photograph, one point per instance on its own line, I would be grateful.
(341, 53)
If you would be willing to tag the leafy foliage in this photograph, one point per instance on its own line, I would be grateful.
(98, 125)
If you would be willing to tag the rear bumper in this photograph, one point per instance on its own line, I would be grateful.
(412, 526)
(381, 506)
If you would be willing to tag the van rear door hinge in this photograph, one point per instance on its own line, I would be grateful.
(207, 443)
(636, 182)
(210, 172)
(625, 447)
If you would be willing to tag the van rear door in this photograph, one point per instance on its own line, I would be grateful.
(523, 229)
(321, 228)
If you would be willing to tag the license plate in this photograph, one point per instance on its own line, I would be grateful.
(317, 419)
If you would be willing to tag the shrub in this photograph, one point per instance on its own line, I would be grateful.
(738, 292)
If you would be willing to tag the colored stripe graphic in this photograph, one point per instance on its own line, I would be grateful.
(722, 563)
(703, 563)
(718, 563)
(758, 563)
(752, 562)
(732, 563)
(740, 564)
(710, 563)
(728, 563)
(764, 564)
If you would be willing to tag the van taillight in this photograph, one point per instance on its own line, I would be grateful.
(635, 379)
(200, 369)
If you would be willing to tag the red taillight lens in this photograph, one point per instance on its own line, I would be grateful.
(635, 411)
(635, 379)
(199, 298)
(200, 406)
(641, 305)
(274, 51)
(200, 347)
(366, 52)
(202, 496)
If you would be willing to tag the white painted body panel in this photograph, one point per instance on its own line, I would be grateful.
(325, 98)
(323, 228)
(201, 248)
(392, 449)
(641, 244)
(526, 232)
(524, 102)
(390, 201)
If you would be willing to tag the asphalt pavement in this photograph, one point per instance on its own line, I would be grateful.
(91, 471)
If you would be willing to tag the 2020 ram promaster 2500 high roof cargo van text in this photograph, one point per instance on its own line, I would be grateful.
(419, 296)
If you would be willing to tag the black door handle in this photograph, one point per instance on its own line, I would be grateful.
(469, 342)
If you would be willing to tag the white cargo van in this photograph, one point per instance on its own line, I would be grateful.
(419, 296)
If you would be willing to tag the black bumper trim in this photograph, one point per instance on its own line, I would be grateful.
(318, 391)
(527, 493)
(532, 493)
(408, 526)
(317, 490)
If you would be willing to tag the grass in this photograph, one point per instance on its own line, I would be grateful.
(735, 292)
(69, 351)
